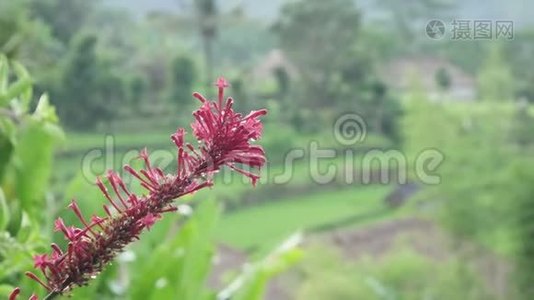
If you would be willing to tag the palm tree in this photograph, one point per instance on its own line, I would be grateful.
(207, 17)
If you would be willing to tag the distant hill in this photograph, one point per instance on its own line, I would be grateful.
(519, 11)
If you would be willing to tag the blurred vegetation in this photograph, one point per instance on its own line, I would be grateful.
(403, 275)
(131, 76)
(28, 138)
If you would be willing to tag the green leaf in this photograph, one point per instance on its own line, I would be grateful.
(44, 111)
(199, 251)
(4, 71)
(9, 129)
(4, 211)
(21, 87)
(5, 154)
(252, 283)
(26, 83)
(33, 165)
(19, 254)
(15, 217)
(179, 266)
(26, 229)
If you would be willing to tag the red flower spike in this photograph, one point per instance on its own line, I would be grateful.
(148, 185)
(69, 232)
(224, 139)
(221, 84)
(169, 209)
(149, 220)
(56, 249)
(106, 210)
(98, 220)
(115, 182)
(132, 199)
(34, 277)
(104, 191)
(14, 294)
(40, 261)
(59, 225)
(76, 209)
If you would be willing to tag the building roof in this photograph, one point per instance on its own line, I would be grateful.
(274, 60)
(400, 73)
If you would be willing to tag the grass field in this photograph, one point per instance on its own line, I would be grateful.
(263, 226)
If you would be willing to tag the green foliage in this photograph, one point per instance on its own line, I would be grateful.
(78, 81)
(32, 171)
(381, 109)
(88, 92)
(10, 23)
(283, 81)
(318, 36)
(22, 87)
(181, 265)
(522, 127)
(336, 70)
(524, 275)
(474, 189)
(138, 91)
(519, 55)
(27, 141)
(66, 24)
(495, 81)
(278, 144)
(475, 184)
(16, 28)
(400, 274)
(425, 124)
(4, 211)
(484, 177)
(183, 77)
(443, 79)
(252, 283)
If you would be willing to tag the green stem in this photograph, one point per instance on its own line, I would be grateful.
(51, 296)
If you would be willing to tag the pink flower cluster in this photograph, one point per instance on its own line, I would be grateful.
(224, 139)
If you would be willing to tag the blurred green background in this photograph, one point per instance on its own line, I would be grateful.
(450, 79)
